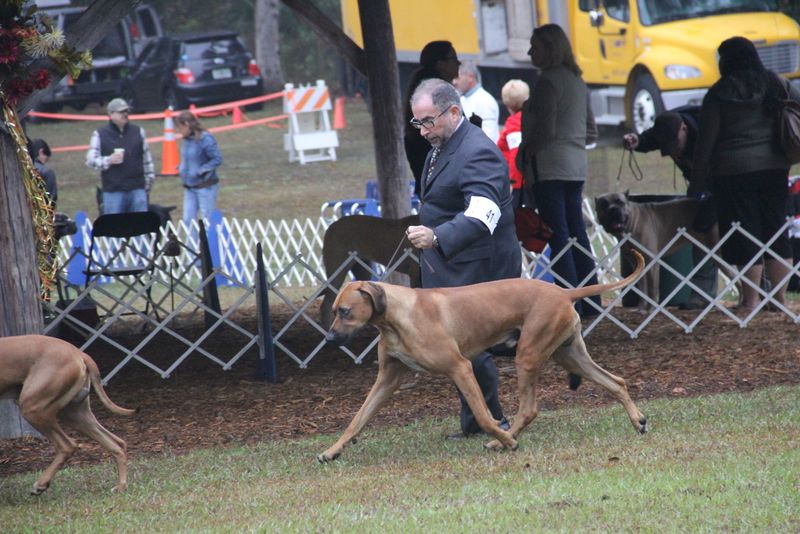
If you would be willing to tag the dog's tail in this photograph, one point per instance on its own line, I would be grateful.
(97, 384)
(598, 289)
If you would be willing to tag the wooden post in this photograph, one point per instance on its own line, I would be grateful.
(387, 109)
(21, 309)
(378, 61)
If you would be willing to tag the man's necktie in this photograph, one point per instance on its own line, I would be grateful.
(432, 164)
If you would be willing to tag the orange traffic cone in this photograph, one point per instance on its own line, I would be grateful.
(170, 157)
(238, 116)
(339, 120)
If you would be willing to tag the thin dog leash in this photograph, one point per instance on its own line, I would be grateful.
(396, 250)
(638, 175)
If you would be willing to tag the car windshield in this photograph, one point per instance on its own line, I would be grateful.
(215, 48)
(660, 11)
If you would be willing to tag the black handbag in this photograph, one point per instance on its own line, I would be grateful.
(789, 127)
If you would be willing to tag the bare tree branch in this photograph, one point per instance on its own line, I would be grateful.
(330, 32)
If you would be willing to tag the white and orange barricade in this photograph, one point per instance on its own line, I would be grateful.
(310, 136)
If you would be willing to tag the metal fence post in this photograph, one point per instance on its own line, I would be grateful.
(267, 368)
(210, 293)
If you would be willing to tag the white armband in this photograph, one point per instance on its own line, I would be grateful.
(485, 210)
(514, 139)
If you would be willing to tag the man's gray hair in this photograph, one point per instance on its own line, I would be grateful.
(443, 94)
(470, 68)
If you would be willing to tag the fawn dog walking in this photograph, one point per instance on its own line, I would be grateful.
(440, 330)
(50, 379)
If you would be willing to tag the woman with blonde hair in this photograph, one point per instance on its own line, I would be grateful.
(514, 95)
(200, 157)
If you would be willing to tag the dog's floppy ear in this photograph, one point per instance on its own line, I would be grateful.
(376, 294)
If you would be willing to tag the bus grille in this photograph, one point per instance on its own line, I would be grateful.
(783, 58)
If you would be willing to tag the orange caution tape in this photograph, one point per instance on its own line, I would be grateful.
(159, 115)
(151, 140)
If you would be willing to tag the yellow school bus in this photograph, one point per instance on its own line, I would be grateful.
(639, 57)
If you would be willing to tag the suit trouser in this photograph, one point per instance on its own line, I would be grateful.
(488, 379)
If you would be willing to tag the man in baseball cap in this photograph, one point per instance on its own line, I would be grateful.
(674, 134)
(116, 105)
(120, 154)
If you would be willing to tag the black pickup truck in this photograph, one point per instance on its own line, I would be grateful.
(112, 59)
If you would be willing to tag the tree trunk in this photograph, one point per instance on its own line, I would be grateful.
(378, 61)
(267, 39)
(21, 309)
(387, 111)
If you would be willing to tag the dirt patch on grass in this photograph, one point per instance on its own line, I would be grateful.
(202, 406)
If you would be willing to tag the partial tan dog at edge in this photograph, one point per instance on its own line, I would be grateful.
(50, 380)
(441, 330)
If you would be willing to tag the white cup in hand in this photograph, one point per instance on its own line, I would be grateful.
(117, 156)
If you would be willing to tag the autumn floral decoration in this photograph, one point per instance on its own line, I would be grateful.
(24, 39)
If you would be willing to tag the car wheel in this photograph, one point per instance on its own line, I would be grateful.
(645, 103)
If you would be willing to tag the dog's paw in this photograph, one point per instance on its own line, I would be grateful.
(493, 445)
(327, 456)
(643, 425)
(38, 490)
(120, 488)
(497, 445)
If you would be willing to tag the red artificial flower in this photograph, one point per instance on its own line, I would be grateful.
(17, 89)
(41, 79)
(9, 50)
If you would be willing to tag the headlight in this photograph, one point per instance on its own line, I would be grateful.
(681, 72)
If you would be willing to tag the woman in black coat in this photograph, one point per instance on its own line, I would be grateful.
(738, 158)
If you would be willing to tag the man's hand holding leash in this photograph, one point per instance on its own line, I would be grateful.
(630, 141)
(421, 237)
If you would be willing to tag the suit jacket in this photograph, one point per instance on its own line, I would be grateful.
(469, 164)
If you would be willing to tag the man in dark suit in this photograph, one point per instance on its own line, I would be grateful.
(467, 230)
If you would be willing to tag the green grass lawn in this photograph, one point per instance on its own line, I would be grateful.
(710, 464)
(258, 182)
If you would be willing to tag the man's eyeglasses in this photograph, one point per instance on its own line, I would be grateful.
(123, 111)
(427, 123)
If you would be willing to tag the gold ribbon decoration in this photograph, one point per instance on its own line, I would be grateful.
(39, 202)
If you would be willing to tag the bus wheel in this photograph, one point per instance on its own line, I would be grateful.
(646, 103)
